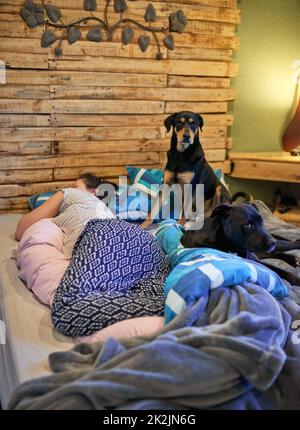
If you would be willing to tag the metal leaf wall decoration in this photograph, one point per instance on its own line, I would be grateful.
(127, 35)
(95, 35)
(35, 14)
(74, 34)
(144, 42)
(48, 38)
(120, 6)
(53, 12)
(150, 14)
(90, 5)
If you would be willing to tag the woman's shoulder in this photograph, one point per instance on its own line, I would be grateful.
(75, 195)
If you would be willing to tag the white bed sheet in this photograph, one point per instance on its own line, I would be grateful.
(29, 334)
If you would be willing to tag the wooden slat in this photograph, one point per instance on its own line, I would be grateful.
(215, 139)
(65, 120)
(197, 82)
(15, 190)
(52, 161)
(25, 176)
(34, 77)
(158, 94)
(67, 173)
(24, 120)
(196, 107)
(205, 41)
(131, 65)
(100, 120)
(78, 106)
(106, 106)
(10, 29)
(24, 61)
(79, 133)
(25, 148)
(93, 133)
(14, 91)
(204, 54)
(107, 79)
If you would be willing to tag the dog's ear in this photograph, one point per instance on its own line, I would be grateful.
(200, 121)
(169, 121)
(221, 211)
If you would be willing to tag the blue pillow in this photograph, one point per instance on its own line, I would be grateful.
(38, 199)
(148, 180)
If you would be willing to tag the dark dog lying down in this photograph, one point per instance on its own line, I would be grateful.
(240, 229)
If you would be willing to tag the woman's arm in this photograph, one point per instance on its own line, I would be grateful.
(49, 209)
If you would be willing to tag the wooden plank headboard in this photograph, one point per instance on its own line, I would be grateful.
(101, 106)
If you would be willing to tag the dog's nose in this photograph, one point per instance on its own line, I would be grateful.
(270, 245)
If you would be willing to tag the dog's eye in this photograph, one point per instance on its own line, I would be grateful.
(248, 227)
(182, 120)
(191, 121)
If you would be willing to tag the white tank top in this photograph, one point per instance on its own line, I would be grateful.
(77, 209)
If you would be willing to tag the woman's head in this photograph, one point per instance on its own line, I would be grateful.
(88, 182)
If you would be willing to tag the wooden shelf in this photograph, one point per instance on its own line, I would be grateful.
(292, 216)
(269, 166)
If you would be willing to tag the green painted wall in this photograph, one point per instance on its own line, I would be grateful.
(269, 42)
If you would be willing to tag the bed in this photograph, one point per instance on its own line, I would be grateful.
(233, 349)
(29, 338)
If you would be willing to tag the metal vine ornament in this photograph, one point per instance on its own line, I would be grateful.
(49, 15)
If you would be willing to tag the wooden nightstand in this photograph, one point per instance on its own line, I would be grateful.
(268, 166)
(292, 216)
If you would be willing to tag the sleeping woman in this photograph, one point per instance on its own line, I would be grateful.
(117, 269)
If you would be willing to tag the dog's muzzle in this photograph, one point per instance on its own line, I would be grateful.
(184, 143)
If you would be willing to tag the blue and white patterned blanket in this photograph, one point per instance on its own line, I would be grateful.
(194, 271)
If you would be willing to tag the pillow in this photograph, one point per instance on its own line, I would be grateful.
(38, 199)
(40, 259)
(149, 180)
(134, 327)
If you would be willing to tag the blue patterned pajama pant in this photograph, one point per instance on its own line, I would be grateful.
(117, 272)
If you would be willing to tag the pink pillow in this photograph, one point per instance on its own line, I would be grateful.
(141, 326)
(40, 260)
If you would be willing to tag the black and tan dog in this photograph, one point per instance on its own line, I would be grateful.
(187, 164)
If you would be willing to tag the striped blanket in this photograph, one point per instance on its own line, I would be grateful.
(194, 271)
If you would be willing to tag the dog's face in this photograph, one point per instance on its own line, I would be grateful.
(185, 126)
(243, 227)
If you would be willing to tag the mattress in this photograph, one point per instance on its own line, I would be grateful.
(29, 337)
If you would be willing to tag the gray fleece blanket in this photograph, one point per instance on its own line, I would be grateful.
(234, 349)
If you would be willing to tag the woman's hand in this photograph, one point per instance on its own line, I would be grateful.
(49, 209)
